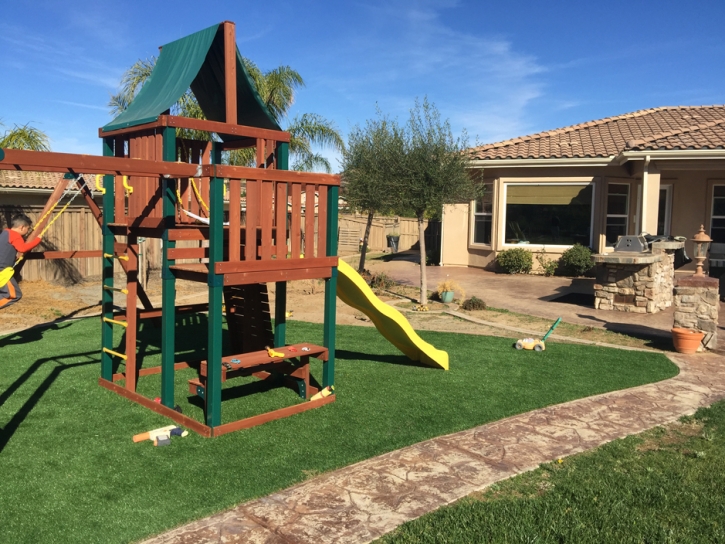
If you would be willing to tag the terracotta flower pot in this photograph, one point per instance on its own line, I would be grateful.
(686, 340)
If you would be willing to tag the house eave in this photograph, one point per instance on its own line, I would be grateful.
(672, 154)
(558, 162)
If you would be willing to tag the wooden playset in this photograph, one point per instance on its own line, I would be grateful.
(158, 181)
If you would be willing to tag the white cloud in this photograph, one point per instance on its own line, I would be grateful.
(482, 83)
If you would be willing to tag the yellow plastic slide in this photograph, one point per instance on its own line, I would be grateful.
(353, 291)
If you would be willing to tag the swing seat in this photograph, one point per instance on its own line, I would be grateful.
(5, 275)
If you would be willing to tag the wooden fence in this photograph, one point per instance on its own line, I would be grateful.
(352, 229)
(77, 229)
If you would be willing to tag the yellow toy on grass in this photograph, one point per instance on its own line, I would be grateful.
(535, 343)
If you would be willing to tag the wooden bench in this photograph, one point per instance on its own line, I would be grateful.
(294, 365)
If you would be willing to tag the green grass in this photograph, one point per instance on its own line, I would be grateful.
(665, 485)
(70, 472)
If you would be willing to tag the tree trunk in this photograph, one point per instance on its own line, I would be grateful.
(423, 279)
(364, 249)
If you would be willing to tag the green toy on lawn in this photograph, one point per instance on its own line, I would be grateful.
(535, 343)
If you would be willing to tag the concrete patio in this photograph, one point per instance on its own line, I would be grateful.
(532, 295)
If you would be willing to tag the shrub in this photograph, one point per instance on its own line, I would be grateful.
(473, 303)
(548, 266)
(381, 281)
(516, 260)
(577, 260)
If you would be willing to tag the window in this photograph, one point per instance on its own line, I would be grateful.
(617, 212)
(717, 227)
(548, 214)
(664, 210)
(482, 216)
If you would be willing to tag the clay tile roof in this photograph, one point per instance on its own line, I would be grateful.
(668, 127)
(29, 180)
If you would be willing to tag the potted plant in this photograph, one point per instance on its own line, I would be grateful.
(686, 340)
(446, 289)
(393, 240)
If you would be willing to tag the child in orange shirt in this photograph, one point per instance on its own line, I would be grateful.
(12, 242)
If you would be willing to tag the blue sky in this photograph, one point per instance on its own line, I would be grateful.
(497, 69)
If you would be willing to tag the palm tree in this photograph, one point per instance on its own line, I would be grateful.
(24, 137)
(277, 88)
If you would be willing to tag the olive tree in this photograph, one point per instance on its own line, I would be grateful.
(433, 172)
(371, 163)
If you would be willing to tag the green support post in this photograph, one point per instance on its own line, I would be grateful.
(280, 297)
(168, 280)
(107, 270)
(328, 368)
(216, 289)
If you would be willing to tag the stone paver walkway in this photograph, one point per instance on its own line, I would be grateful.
(364, 501)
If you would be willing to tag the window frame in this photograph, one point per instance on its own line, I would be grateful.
(583, 183)
(473, 214)
(712, 205)
(669, 189)
(626, 215)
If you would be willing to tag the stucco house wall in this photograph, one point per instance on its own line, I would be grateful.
(682, 166)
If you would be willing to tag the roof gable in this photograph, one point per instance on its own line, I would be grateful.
(681, 127)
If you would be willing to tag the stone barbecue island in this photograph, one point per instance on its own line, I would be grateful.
(640, 282)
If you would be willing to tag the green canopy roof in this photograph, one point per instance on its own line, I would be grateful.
(196, 61)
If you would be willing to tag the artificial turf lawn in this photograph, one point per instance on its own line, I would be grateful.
(70, 472)
(664, 485)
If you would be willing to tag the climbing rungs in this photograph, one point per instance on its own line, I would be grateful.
(109, 288)
(115, 322)
(115, 353)
(119, 257)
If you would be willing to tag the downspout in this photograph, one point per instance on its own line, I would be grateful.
(643, 215)
(443, 222)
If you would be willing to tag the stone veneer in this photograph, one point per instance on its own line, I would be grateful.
(697, 300)
(636, 282)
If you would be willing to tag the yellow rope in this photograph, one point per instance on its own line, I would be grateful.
(198, 195)
(54, 219)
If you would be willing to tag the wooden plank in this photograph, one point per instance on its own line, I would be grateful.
(273, 275)
(42, 161)
(271, 174)
(131, 313)
(252, 220)
(309, 221)
(156, 312)
(53, 199)
(280, 208)
(48, 255)
(16, 159)
(188, 253)
(157, 143)
(119, 198)
(205, 125)
(149, 371)
(270, 160)
(230, 72)
(265, 220)
(189, 233)
(271, 416)
(159, 408)
(273, 264)
(295, 222)
(235, 219)
(259, 153)
(322, 221)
